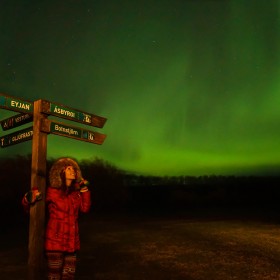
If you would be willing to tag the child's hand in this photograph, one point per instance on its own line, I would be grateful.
(33, 195)
(83, 185)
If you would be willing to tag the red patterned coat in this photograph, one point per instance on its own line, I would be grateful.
(62, 232)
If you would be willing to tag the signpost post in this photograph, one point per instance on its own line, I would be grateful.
(37, 211)
(38, 112)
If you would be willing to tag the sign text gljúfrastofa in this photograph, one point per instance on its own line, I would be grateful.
(16, 137)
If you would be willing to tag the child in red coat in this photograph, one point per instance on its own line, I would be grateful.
(67, 195)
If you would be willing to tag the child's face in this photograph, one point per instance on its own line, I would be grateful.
(70, 173)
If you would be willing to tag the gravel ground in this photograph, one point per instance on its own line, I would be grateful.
(140, 248)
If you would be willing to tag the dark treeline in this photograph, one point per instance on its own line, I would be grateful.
(115, 190)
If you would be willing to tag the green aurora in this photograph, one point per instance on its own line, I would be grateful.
(188, 87)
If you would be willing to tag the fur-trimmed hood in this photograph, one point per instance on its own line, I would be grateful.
(58, 166)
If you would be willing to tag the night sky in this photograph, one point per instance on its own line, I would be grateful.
(189, 87)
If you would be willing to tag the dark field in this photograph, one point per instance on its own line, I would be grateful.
(204, 246)
(209, 227)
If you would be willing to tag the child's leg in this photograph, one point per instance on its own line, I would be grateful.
(55, 264)
(69, 266)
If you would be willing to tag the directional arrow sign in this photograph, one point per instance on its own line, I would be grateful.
(16, 137)
(15, 104)
(72, 132)
(68, 113)
(16, 121)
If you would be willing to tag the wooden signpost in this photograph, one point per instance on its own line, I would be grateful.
(42, 126)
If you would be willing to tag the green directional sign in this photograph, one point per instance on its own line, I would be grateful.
(68, 113)
(72, 132)
(65, 130)
(16, 121)
(15, 104)
(16, 137)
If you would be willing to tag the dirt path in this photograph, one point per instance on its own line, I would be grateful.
(120, 248)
